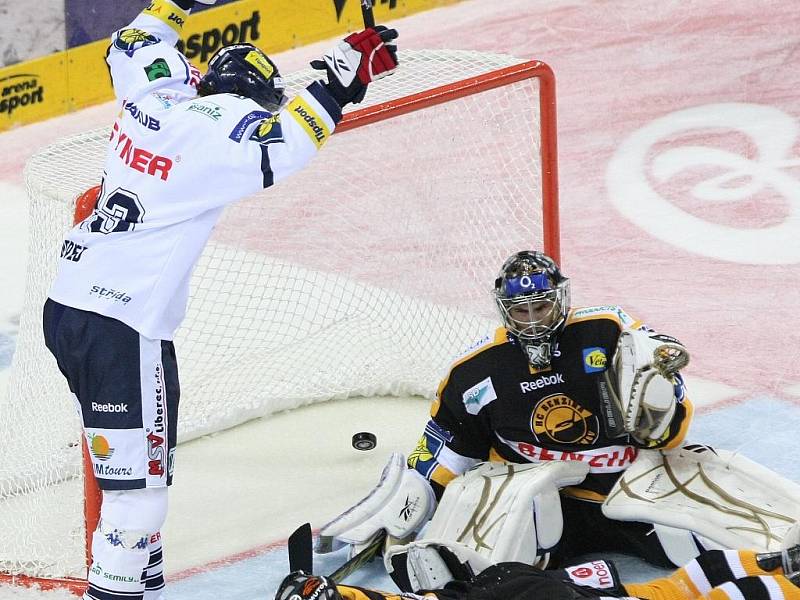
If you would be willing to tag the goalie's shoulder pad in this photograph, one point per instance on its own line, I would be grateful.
(401, 504)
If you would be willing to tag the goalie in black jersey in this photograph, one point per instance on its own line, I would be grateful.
(561, 434)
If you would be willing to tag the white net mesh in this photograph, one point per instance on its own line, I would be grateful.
(363, 275)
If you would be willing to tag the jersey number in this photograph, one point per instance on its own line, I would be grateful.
(119, 211)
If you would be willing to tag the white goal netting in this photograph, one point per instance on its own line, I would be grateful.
(335, 283)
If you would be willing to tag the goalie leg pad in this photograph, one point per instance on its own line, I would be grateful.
(505, 512)
(401, 504)
(700, 498)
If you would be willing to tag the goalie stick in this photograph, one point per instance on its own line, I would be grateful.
(301, 557)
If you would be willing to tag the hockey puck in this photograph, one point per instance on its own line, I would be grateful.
(364, 440)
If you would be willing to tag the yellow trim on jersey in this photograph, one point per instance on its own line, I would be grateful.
(316, 129)
(591, 313)
(442, 475)
(749, 561)
(790, 590)
(495, 457)
(684, 429)
(581, 494)
(351, 593)
(168, 13)
(660, 589)
(500, 337)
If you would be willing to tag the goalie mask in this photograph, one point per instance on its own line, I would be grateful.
(533, 299)
(244, 70)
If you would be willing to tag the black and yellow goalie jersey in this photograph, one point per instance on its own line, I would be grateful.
(493, 405)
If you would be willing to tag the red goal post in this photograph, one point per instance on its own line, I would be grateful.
(471, 141)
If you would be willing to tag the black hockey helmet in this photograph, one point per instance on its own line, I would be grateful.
(533, 298)
(245, 70)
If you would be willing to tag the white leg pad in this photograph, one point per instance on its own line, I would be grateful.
(505, 512)
(716, 497)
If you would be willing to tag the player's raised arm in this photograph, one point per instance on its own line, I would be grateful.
(282, 136)
(142, 56)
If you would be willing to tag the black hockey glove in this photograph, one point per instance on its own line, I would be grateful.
(299, 586)
(357, 61)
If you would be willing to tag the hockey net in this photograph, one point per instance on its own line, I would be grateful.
(364, 275)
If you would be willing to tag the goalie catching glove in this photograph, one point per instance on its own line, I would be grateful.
(645, 366)
(357, 61)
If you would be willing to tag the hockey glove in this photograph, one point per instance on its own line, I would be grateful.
(357, 61)
(645, 366)
(299, 586)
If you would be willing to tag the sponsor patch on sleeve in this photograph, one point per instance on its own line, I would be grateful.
(269, 131)
(131, 40)
(309, 120)
(594, 360)
(167, 13)
(423, 457)
(478, 396)
(157, 69)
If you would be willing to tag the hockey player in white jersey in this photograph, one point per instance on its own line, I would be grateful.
(182, 147)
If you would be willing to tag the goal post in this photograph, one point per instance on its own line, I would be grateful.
(327, 285)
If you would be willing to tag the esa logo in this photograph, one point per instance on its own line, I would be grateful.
(479, 395)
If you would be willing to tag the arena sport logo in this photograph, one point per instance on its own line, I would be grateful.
(18, 91)
(206, 43)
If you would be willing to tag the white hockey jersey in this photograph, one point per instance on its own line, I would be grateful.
(174, 161)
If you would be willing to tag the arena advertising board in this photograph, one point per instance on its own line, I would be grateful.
(78, 77)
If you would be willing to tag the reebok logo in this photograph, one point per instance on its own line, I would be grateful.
(109, 408)
(536, 384)
(409, 509)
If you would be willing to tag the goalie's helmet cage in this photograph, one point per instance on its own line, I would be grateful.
(533, 298)
(244, 70)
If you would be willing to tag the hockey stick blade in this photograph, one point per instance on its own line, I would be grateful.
(360, 559)
(300, 555)
(366, 13)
